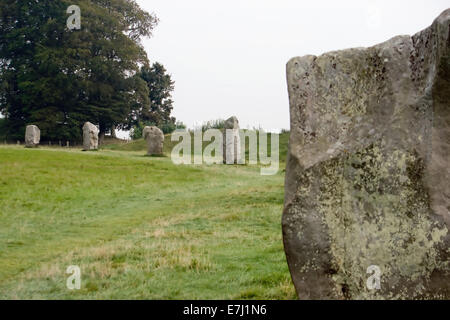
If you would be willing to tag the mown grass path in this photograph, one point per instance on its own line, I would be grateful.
(138, 227)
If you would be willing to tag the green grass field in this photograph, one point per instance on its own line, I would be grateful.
(138, 227)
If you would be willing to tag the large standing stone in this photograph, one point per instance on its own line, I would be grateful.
(155, 140)
(368, 170)
(32, 136)
(231, 141)
(90, 137)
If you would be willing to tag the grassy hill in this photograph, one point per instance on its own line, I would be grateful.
(138, 227)
(140, 145)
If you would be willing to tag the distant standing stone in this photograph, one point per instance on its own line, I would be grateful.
(90, 137)
(155, 140)
(231, 141)
(32, 136)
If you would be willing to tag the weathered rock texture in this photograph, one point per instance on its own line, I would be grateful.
(231, 141)
(155, 140)
(368, 175)
(32, 136)
(90, 137)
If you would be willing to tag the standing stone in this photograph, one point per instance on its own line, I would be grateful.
(32, 136)
(368, 170)
(155, 140)
(90, 137)
(231, 141)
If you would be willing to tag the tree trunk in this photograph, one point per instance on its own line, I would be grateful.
(113, 132)
(101, 134)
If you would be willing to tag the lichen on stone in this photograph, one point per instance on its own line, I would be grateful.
(368, 169)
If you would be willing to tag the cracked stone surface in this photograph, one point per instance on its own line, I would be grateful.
(32, 136)
(231, 141)
(155, 140)
(90, 137)
(368, 175)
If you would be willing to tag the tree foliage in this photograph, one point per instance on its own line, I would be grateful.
(160, 87)
(58, 79)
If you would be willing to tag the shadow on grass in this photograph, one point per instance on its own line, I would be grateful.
(155, 156)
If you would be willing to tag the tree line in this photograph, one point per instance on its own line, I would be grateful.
(58, 78)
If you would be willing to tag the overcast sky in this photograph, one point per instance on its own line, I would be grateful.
(228, 57)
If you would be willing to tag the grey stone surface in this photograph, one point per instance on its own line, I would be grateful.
(155, 140)
(32, 136)
(231, 141)
(367, 176)
(90, 137)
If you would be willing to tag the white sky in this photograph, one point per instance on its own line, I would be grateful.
(228, 57)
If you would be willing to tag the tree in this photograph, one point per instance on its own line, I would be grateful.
(58, 79)
(160, 87)
(30, 39)
(2, 129)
